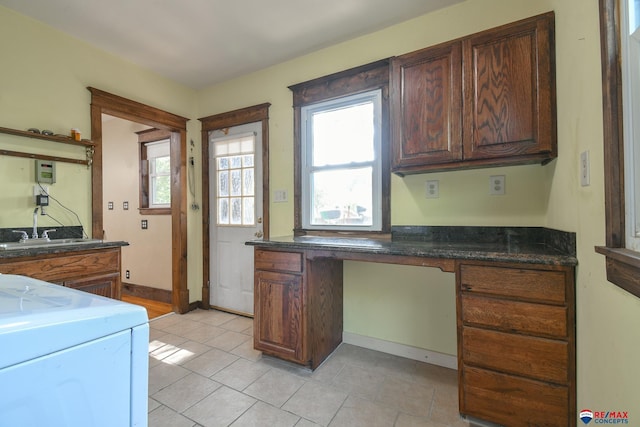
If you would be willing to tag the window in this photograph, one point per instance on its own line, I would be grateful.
(630, 40)
(341, 152)
(620, 78)
(155, 172)
(235, 170)
(341, 163)
(159, 164)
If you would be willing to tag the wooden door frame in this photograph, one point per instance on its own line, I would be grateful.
(106, 103)
(256, 113)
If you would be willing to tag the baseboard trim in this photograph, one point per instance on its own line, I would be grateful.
(402, 350)
(146, 292)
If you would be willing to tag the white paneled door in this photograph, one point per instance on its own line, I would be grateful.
(235, 197)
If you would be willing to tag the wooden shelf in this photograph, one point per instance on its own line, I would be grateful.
(87, 144)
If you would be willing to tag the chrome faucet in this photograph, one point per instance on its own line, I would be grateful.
(34, 235)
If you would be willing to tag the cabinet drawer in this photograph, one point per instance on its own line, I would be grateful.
(548, 286)
(515, 316)
(57, 268)
(538, 358)
(507, 400)
(278, 261)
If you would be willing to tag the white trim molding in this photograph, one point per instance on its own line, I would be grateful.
(402, 350)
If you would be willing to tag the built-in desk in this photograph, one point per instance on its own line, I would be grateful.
(515, 304)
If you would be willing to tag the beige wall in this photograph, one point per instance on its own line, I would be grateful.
(418, 309)
(43, 81)
(148, 256)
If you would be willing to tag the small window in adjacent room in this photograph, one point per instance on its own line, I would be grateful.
(155, 174)
(159, 174)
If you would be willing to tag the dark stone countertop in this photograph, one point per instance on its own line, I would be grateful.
(532, 245)
(62, 250)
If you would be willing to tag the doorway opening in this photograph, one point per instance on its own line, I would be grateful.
(113, 105)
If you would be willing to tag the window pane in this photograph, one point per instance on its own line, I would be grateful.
(248, 211)
(223, 184)
(247, 161)
(343, 135)
(223, 163)
(236, 182)
(342, 197)
(248, 187)
(161, 190)
(236, 162)
(236, 210)
(223, 211)
(162, 165)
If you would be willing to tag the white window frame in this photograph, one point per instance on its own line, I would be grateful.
(156, 150)
(630, 41)
(307, 168)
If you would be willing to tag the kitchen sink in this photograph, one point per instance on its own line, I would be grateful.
(42, 243)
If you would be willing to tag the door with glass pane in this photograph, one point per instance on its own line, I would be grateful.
(235, 215)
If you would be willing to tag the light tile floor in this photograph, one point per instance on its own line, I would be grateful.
(203, 371)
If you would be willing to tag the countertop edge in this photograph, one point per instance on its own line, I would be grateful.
(31, 252)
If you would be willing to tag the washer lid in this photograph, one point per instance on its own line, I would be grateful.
(39, 318)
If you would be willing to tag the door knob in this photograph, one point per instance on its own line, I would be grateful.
(258, 234)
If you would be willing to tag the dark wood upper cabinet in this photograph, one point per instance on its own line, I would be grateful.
(427, 106)
(483, 100)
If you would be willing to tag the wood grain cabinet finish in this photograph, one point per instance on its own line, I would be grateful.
(516, 343)
(427, 107)
(96, 271)
(483, 100)
(298, 306)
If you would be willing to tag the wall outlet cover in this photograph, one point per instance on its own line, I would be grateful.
(497, 185)
(432, 189)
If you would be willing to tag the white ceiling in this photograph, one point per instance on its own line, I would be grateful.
(203, 42)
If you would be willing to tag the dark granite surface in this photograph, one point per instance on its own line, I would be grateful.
(534, 245)
(73, 232)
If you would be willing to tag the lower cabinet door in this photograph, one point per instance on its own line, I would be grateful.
(278, 315)
(513, 401)
(105, 285)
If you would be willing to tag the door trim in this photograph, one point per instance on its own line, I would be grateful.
(256, 113)
(106, 103)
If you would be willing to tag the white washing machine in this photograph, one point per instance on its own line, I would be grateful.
(69, 358)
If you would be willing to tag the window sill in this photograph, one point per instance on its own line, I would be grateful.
(155, 211)
(623, 268)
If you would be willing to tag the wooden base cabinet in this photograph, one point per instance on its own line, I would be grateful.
(298, 306)
(516, 343)
(96, 271)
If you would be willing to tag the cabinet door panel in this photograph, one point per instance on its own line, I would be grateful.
(531, 357)
(106, 286)
(509, 91)
(278, 315)
(426, 106)
(507, 400)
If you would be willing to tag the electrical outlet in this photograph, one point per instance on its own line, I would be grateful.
(110, 206)
(127, 274)
(497, 185)
(585, 179)
(432, 189)
(144, 224)
(125, 206)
